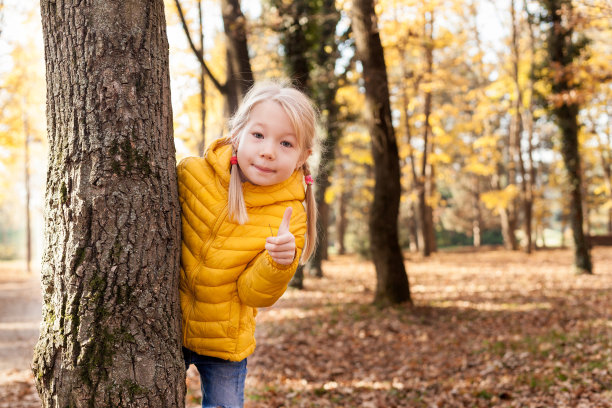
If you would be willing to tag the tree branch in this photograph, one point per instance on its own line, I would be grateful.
(199, 53)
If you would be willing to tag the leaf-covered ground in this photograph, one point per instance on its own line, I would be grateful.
(487, 329)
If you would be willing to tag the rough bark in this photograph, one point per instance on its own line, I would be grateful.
(392, 281)
(111, 318)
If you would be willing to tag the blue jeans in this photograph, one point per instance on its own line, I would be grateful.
(222, 381)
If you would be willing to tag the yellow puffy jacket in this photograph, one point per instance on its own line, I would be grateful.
(226, 273)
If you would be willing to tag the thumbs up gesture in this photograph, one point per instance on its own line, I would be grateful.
(282, 246)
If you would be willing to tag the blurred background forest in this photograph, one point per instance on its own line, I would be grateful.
(470, 93)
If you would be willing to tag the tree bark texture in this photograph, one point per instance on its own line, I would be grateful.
(110, 335)
(392, 281)
(562, 49)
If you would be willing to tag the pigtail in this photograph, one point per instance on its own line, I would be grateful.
(311, 216)
(235, 197)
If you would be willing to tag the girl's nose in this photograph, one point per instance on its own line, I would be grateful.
(267, 151)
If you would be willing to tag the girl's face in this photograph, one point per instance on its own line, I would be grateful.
(268, 151)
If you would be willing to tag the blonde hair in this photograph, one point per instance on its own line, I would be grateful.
(304, 118)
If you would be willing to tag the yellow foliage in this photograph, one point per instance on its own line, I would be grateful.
(485, 142)
(498, 199)
(480, 169)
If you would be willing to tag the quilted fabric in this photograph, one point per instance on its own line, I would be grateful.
(226, 273)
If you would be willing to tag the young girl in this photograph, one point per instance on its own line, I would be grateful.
(233, 199)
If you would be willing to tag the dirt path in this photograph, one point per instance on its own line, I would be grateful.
(20, 311)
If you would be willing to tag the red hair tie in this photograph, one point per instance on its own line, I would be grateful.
(308, 179)
(234, 160)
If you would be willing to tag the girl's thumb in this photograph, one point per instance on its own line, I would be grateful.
(284, 227)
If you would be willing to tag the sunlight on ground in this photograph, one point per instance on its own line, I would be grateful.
(489, 306)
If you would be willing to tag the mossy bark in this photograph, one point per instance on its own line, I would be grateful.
(111, 318)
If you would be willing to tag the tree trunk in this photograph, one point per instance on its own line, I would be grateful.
(429, 191)
(341, 222)
(605, 158)
(392, 281)
(517, 129)
(563, 49)
(111, 317)
(477, 217)
(294, 41)
(567, 118)
(202, 142)
(297, 281)
(427, 171)
(300, 24)
(240, 75)
(529, 127)
(508, 214)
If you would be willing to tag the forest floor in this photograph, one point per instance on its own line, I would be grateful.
(486, 329)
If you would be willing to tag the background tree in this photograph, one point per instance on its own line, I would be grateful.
(392, 281)
(308, 34)
(564, 48)
(111, 332)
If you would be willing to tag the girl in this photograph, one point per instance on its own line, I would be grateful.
(244, 187)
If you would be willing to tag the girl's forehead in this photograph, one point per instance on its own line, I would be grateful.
(272, 114)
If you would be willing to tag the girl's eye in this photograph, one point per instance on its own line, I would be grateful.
(258, 135)
(286, 144)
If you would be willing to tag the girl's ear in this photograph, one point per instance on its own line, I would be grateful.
(303, 158)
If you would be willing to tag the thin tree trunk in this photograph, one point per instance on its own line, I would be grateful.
(426, 212)
(202, 142)
(517, 128)
(392, 281)
(341, 222)
(508, 218)
(529, 126)
(111, 317)
(477, 217)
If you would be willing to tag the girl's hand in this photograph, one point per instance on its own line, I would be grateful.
(282, 247)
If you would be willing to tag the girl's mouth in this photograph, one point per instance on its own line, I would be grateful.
(263, 169)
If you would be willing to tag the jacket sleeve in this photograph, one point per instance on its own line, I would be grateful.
(264, 281)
